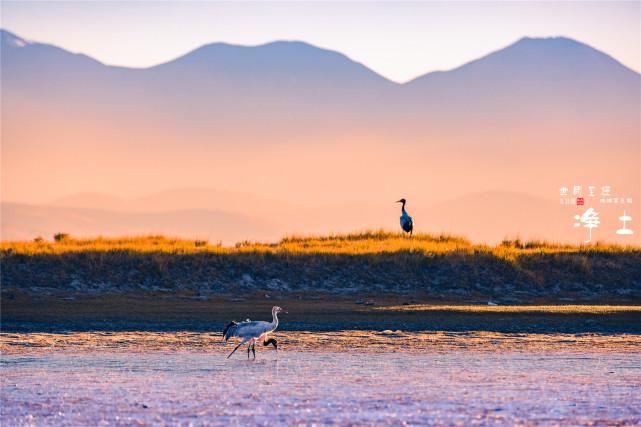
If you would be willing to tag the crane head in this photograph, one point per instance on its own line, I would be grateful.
(278, 309)
(401, 201)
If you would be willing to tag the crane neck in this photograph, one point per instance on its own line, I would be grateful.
(274, 320)
(403, 207)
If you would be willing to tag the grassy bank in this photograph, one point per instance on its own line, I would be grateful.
(426, 267)
(369, 242)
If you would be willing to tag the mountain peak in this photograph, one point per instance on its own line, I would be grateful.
(11, 40)
(558, 43)
(267, 51)
(536, 53)
(281, 59)
(528, 39)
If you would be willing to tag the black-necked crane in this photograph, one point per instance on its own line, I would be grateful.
(251, 332)
(406, 221)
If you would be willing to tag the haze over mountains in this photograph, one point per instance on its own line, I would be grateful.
(298, 139)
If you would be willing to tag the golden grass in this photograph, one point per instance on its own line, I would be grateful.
(562, 309)
(370, 242)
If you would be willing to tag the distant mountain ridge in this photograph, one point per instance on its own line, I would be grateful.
(292, 76)
(488, 217)
(295, 122)
(24, 222)
(538, 53)
(277, 52)
(175, 199)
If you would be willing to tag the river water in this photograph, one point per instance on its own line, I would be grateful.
(352, 377)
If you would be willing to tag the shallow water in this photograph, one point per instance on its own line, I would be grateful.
(358, 377)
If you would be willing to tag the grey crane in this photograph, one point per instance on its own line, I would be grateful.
(250, 332)
(406, 221)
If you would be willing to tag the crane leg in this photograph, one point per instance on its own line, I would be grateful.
(232, 352)
(254, 350)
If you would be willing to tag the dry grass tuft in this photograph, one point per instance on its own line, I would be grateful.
(368, 242)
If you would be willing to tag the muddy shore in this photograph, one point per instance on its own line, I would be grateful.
(22, 313)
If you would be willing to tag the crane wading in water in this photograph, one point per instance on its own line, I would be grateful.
(250, 332)
(406, 221)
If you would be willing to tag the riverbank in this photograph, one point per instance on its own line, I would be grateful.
(371, 280)
(439, 268)
(307, 312)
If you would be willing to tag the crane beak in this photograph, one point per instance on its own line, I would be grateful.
(398, 201)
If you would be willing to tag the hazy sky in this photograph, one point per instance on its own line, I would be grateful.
(400, 40)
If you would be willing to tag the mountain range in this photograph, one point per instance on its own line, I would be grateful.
(316, 134)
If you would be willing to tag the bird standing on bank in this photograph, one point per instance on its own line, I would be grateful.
(406, 221)
(251, 332)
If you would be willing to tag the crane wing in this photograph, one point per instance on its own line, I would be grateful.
(230, 330)
(406, 223)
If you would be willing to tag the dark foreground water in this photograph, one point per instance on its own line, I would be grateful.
(356, 377)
